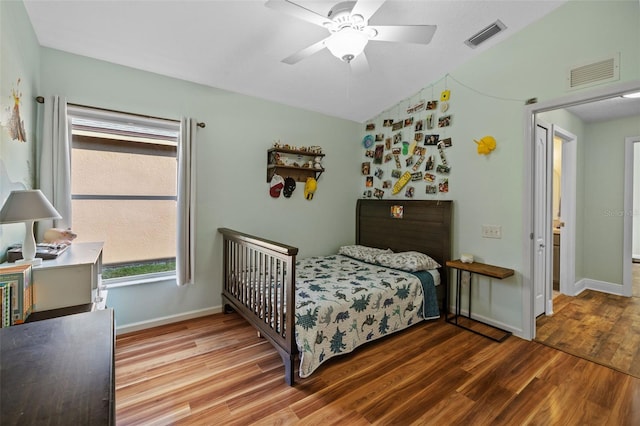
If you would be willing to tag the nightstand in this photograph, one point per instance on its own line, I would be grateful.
(72, 279)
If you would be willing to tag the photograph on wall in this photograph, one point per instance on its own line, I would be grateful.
(379, 137)
(388, 122)
(379, 154)
(447, 142)
(429, 177)
(386, 184)
(369, 182)
(419, 125)
(366, 168)
(444, 121)
(408, 121)
(387, 143)
(396, 173)
(397, 212)
(388, 157)
(431, 163)
(370, 126)
(397, 125)
(429, 121)
(431, 139)
(432, 105)
(397, 138)
(443, 169)
(379, 173)
(418, 137)
(369, 153)
(378, 193)
(409, 192)
(431, 189)
(443, 185)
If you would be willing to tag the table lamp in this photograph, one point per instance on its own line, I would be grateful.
(28, 206)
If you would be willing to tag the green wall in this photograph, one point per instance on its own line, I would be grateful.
(488, 97)
(19, 60)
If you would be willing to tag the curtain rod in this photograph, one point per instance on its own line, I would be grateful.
(40, 100)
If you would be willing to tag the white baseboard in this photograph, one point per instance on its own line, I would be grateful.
(516, 331)
(602, 286)
(136, 326)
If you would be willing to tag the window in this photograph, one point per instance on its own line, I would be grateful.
(124, 190)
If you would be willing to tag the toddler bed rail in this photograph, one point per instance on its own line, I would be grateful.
(259, 282)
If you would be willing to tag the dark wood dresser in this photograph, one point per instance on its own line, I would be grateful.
(59, 371)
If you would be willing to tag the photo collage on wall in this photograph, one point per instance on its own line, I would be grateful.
(409, 153)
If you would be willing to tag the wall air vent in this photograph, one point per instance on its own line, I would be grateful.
(594, 73)
(485, 34)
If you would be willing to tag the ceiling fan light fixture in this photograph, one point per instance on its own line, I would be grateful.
(346, 43)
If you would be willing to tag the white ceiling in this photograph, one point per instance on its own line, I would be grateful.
(607, 109)
(238, 45)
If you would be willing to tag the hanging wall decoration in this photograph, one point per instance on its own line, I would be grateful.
(15, 126)
(486, 145)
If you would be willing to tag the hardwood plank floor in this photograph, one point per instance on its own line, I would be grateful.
(600, 327)
(215, 370)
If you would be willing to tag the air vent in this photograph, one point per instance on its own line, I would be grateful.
(594, 73)
(485, 34)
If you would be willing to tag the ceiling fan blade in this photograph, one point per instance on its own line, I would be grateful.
(304, 53)
(359, 64)
(420, 34)
(298, 11)
(366, 8)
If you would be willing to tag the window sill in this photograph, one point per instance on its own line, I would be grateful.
(139, 279)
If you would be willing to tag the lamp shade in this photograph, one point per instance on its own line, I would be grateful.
(347, 43)
(27, 205)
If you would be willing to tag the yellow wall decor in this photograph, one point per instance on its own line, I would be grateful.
(486, 144)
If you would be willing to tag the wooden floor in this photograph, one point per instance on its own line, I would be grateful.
(597, 326)
(215, 370)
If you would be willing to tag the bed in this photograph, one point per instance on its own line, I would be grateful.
(340, 301)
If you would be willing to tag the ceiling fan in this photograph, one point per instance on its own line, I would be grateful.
(349, 30)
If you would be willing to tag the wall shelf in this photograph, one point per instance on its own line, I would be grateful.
(289, 169)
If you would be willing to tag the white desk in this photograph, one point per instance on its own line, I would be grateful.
(74, 278)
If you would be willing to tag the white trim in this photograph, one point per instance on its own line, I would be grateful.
(528, 321)
(169, 319)
(568, 208)
(139, 279)
(601, 286)
(490, 321)
(627, 236)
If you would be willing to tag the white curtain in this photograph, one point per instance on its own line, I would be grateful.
(54, 170)
(185, 254)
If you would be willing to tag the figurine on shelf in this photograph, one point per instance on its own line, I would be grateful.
(317, 162)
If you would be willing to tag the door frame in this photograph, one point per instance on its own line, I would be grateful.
(627, 252)
(568, 213)
(600, 93)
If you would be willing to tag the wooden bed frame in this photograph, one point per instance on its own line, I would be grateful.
(251, 264)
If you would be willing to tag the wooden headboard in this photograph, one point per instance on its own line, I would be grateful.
(425, 226)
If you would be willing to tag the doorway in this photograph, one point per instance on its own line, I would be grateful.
(531, 208)
(631, 212)
(555, 165)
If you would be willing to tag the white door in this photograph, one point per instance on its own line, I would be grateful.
(543, 244)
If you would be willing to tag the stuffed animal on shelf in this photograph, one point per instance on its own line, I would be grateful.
(59, 236)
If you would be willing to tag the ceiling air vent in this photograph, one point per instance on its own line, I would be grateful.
(594, 73)
(485, 34)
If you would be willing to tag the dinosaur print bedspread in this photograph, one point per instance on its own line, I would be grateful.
(342, 303)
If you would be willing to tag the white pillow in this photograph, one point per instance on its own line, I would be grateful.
(364, 253)
(410, 261)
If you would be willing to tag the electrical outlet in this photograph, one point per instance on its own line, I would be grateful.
(491, 231)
